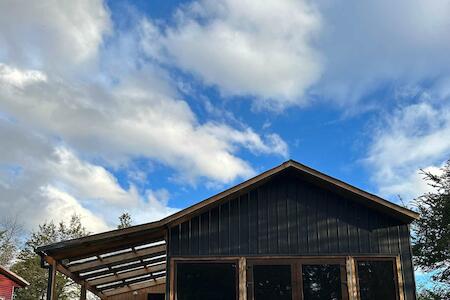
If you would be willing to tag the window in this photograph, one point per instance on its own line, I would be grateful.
(272, 282)
(206, 281)
(322, 282)
(376, 279)
(297, 279)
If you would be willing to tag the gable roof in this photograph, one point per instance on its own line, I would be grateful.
(14, 277)
(331, 183)
(310, 174)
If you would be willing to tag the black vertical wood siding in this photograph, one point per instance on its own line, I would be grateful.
(288, 216)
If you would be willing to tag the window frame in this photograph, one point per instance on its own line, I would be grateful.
(347, 262)
(176, 262)
(396, 269)
(296, 264)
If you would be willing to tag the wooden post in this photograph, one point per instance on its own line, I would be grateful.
(83, 292)
(351, 279)
(51, 288)
(242, 278)
(398, 264)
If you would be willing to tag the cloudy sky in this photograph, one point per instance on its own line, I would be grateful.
(151, 106)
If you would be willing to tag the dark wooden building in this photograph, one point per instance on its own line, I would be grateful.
(289, 233)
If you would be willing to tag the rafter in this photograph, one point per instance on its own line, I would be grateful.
(118, 259)
(130, 282)
(115, 270)
(135, 287)
(127, 275)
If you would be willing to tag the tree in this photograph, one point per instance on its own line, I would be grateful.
(10, 231)
(431, 232)
(28, 265)
(124, 221)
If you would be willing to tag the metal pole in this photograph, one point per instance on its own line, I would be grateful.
(83, 292)
(51, 287)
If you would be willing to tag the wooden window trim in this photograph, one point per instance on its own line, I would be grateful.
(176, 261)
(349, 275)
(397, 271)
(296, 264)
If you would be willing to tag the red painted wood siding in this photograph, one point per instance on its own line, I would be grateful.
(6, 287)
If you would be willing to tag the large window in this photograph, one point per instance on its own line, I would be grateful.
(206, 281)
(297, 279)
(377, 280)
(320, 278)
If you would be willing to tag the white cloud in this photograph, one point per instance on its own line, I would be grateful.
(40, 182)
(251, 47)
(289, 52)
(18, 78)
(148, 123)
(62, 130)
(52, 35)
(413, 137)
(60, 206)
(372, 45)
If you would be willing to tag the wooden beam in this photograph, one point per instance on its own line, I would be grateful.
(398, 265)
(51, 292)
(242, 278)
(117, 259)
(131, 281)
(93, 245)
(351, 278)
(136, 287)
(127, 275)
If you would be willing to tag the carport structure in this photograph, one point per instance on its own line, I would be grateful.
(111, 264)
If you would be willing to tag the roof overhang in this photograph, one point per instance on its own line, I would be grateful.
(13, 277)
(113, 262)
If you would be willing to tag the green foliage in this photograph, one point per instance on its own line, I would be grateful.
(124, 221)
(28, 264)
(431, 237)
(435, 294)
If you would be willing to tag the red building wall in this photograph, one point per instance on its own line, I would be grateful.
(6, 287)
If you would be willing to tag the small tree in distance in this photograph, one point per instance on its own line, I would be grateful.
(125, 221)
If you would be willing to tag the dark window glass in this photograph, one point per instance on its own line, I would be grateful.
(206, 281)
(272, 282)
(322, 282)
(156, 297)
(376, 280)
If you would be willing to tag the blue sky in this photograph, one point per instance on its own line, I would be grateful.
(151, 106)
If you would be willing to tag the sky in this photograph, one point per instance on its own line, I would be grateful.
(148, 107)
